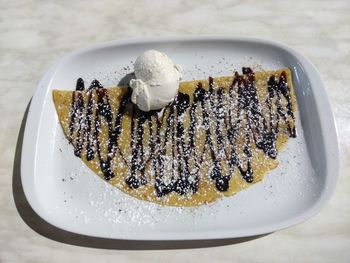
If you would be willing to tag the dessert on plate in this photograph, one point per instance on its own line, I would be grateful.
(180, 143)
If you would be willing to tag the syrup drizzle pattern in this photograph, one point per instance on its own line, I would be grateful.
(217, 114)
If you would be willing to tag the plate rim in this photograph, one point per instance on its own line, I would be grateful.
(327, 123)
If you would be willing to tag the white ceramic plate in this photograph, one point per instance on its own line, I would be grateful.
(65, 193)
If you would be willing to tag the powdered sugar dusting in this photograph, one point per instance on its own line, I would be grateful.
(88, 200)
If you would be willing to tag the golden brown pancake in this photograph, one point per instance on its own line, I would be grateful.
(218, 137)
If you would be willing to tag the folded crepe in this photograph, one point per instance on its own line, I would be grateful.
(218, 137)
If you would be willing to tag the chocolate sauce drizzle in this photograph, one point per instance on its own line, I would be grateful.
(217, 114)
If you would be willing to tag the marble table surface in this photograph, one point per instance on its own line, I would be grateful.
(35, 33)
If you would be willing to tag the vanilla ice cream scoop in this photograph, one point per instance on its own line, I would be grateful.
(157, 80)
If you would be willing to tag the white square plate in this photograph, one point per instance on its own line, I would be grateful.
(65, 193)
